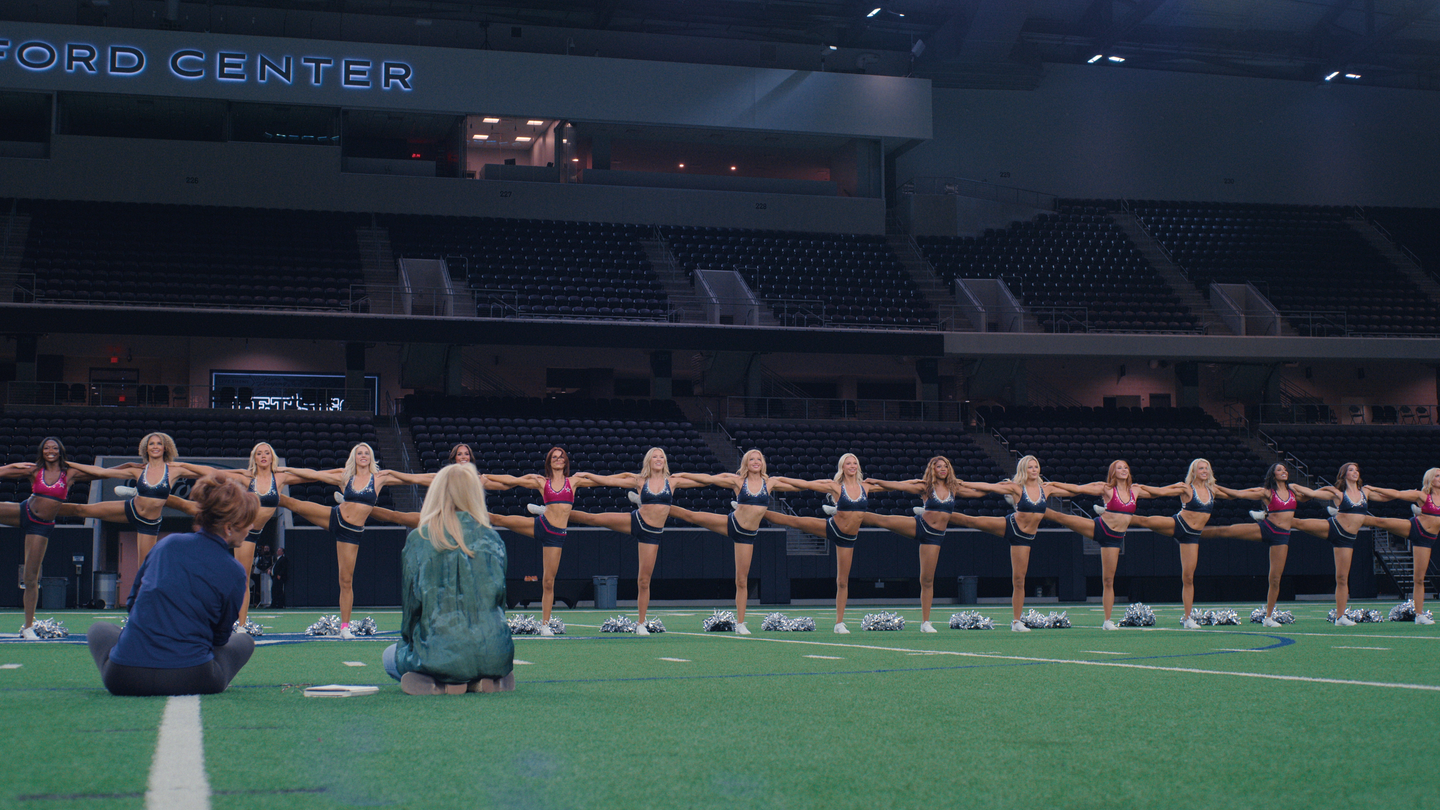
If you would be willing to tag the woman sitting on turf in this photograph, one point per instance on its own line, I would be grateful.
(453, 635)
(184, 601)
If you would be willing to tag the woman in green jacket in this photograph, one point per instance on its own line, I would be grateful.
(453, 633)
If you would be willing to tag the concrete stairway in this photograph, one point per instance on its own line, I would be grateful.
(1402, 261)
(1174, 278)
(14, 230)
(378, 264)
(679, 290)
(937, 293)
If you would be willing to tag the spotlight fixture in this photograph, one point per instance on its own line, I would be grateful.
(682, 165)
(1332, 75)
(1096, 58)
(732, 168)
(1352, 75)
(1116, 59)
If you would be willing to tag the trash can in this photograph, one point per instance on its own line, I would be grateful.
(969, 590)
(52, 593)
(605, 588)
(106, 583)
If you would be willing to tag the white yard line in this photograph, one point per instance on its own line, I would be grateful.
(177, 775)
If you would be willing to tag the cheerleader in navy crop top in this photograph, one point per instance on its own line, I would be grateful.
(929, 525)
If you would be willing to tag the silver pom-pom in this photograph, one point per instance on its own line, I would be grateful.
(1357, 615)
(521, 625)
(882, 621)
(49, 628)
(556, 626)
(780, 623)
(1138, 615)
(326, 626)
(1257, 616)
(1403, 612)
(248, 628)
(1035, 620)
(364, 627)
(721, 621)
(654, 626)
(971, 620)
(618, 624)
(1211, 618)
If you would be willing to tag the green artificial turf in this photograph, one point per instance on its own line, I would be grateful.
(879, 719)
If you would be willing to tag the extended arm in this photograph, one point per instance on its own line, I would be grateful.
(726, 480)
(1172, 491)
(914, 486)
(1251, 494)
(416, 479)
(1383, 494)
(314, 476)
(501, 481)
(103, 472)
(826, 485)
(623, 480)
(1097, 488)
(20, 469)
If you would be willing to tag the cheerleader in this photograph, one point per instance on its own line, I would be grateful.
(1348, 512)
(261, 478)
(1197, 494)
(50, 478)
(1421, 529)
(142, 511)
(1108, 529)
(1018, 528)
(939, 487)
(752, 486)
(654, 485)
(1273, 525)
(851, 498)
(345, 522)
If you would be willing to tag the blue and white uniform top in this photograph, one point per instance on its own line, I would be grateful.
(1197, 505)
(935, 504)
(1024, 504)
(664, 496)
(365, 495)
(159, 491)
(746, 498)
(844, 503)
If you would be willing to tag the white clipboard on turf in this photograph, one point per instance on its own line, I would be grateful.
(339, 690)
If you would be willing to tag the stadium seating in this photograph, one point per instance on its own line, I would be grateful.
(894, 453)
(856, 280)
(1306, 259)
(1417, 229)
(542, 267)
(605, 437)
(1076, 445)
(236, 258)
(1395, 457)
(316, 440)
(1074, 271)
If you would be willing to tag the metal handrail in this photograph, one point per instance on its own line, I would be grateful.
(978, 189)
(846, 409)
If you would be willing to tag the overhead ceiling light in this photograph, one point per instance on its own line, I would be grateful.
(491, 120)
(1096, 58)
(833, 47)
(732, 168)
(480, 137)
(523, 139)
(873, 12)
(534, 122)
(1116, 58)
(1332, 75)
(1352, 75)
(682, 165)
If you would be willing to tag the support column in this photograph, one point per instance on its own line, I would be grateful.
(660, 365)
(356, 397)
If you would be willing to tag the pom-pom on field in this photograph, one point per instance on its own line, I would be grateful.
(691, 718)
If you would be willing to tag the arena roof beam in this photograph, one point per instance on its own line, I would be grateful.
(1399, 22)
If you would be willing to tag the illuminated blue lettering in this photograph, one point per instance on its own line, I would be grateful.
(81, 55)
(317, 67)
(27, 51)
(357, 73)
(196, 72)
(265, 66)
(397, 72)
(125, 60)
(230, 67)
(4, 48)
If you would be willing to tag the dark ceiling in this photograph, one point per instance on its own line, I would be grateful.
(955, 43)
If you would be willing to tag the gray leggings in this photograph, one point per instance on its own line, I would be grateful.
(208, 678)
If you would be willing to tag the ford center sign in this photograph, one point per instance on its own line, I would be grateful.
(194, 64)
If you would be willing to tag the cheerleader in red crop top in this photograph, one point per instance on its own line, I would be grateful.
(1119, 492)
(50, 476)
(1422, 528)
(1273, 525)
